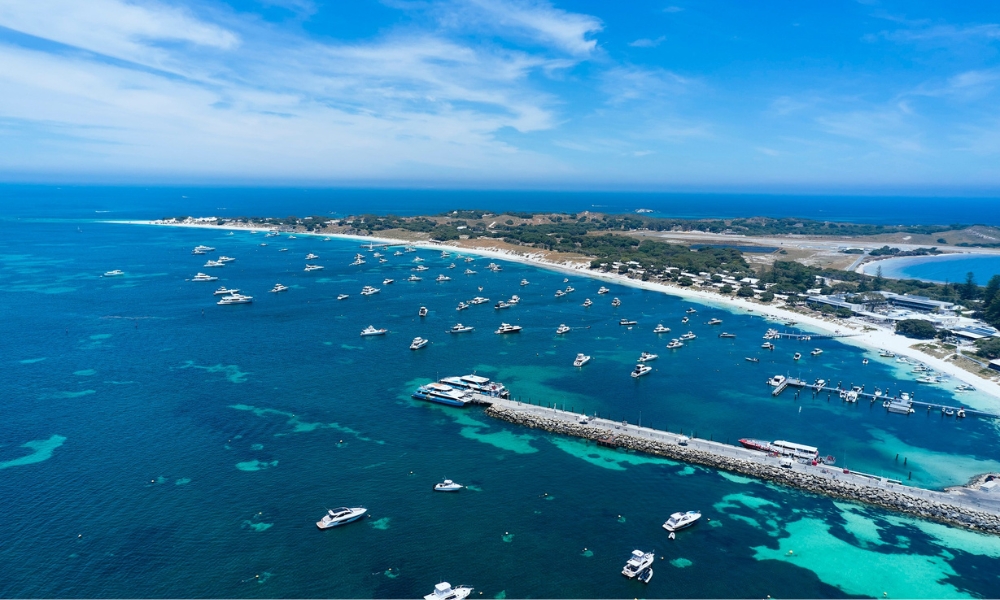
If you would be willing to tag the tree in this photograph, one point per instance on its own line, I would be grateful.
(916, 328)
(990, 293)
(745, 292)
(879, 281)
(942, 241)
(988, 348)
(767, 296)
(969, 289)
(726, 289)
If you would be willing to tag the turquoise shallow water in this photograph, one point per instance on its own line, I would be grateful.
(942, 269)
(157, 445)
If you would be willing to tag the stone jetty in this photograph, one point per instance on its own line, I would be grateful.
(964, 508)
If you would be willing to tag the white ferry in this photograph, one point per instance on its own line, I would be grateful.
(235, 299)
(224, 291)
(581, 359)
(477, 383)
(638, 561)
(418, 343)
(115, 273)
(508, 328)
(459, 328)
(681, 520)
(278, 288)
(370, 330)
(442, 394)
(562, 329)
(340, 516)
(444, 591)
(369, 290)
(204, 277)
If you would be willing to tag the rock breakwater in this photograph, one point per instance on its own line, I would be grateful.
(893, 497)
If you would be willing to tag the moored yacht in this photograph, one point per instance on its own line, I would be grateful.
(525, 282)
(714, 322)
(562, 329)
(691, 311)
(235, 299)
(477, 383)
(796, 356)
(587, 302)
(501, 304)
(418, 343)
(342, 296)
(727, 335)
(447, 486)
(444, 591)
(459, 328)
(603, 290)
(202, 249)
(115, 273)
(570, 289)
(214, 263)
(767, 346)
(369, 290)
(413, 278)
(279, 288)
(581, 359)
(515, 299)
(816, 352)
(223, 291)
(311, 256)
(421, 268)
(681, 520)
(462, 306)
(422, 312)
(470, 272)
(442, 277)
(661, 329)
(226, 259)
(688, 336)
(648, 356)
(388, 281)
(313, 268)
(479, 300)
(340, 516)
(641, 370)
(626, 322)
(204, 277)
(560, 293)
(674, 344)
(685, 320)
(616, 302)
(637, 562)
(370, 330)
(508, 328)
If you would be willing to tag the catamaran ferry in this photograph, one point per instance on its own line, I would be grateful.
(478, 384)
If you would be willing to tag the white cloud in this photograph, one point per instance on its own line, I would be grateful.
(672, 9)
(535, 19)
(632, 83)
(648, 43)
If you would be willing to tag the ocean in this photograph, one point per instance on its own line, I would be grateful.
(952, 268)
(155, 444)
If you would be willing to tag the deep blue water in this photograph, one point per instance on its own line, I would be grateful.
(942, 269)
(198, 444)
(156, 202)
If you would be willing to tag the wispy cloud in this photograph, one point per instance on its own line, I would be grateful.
(631, 83)
(673, 9)
(648, 43)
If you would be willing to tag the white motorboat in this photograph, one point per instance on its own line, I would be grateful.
(688, 336)
(641, 370)
(616, 302)
(581, 359)
(816, 352)
(685, 320)
(727, 335)
(776, 380)
(501, 304)
(370, 330)
(269, 234)
(451, 266)
(226, 259)
(796, 356)
(442, 277)
(508, 328)
(413, 278)
(313, 268)
(357, 262)
(447, 486)
(397, 253)
(422, 312)
(115, 273)
(648, 356)
(202, 249)
(204, 277)
(638, 561)
(470, 272)
(421, 268)
(674, 344)
(444, 591)
(645, 575)
(681, 520)
(525, 282)
(588, 302)
(388, 281)
(603, 290)
(626, 322)
(282, 249)
(479, 300)
(661, 329)
(224, 291)
(886, 354)
(562, 329)
(291, 237)
(214, 263)
(767, 346)
(560, 293)
(235, 299)
(279, 288)
(311, 256)
(340, 516)
(369, 290)
(469, 259)
(459, 328)
(691, 311)
(570, 289)
(515, 299)
(418, 343)
(342, 296)
(418, 260)
(714, 322)
(462, 306)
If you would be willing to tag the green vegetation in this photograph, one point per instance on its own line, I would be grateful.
(988, 348)
(887, 251)
(916, 328)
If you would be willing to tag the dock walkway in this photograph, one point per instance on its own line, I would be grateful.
(964, 506)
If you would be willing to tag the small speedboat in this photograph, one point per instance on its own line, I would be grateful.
(115, 273)
(459, 328)
(661, 329)
(422, 312)
(388, 281)
(796, 356)
(626, 322)
(751, 359)
(560, 293)
(816, 352)
(470, 272)
(342, 296)
(525, 282)
(279, 288)
(413, 278)
(645, 575)
(767, 346)
(444, 591)
(562, 329)
(311, 256)
(690, 311)
(714, 322)
(462, 306)
(447, 486)
(340, 516)
(224, 291)
(641, 370)
(370, 330)
(418, 343)
(681, 520)
(648, 356)
(442, 277)
(581, 359)
(616, 302)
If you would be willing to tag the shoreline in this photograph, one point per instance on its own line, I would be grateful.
(868, 268)
(871, 340)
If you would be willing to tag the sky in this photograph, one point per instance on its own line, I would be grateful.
(834, 96)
